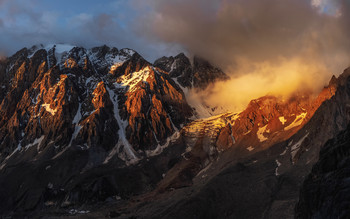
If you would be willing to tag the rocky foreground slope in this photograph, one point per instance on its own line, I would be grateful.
(104, 132)
(325, 192)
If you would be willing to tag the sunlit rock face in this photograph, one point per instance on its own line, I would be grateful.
(265, 121)
(269, 167)
(153, 104)
(269, 119)
(58, 96)
(81, 108)
(103, 124)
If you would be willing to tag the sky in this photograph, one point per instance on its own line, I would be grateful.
(266, 46)
(87, 23)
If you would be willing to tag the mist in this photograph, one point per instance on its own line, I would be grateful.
(274, 47)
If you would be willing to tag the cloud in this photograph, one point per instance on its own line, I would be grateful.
(331, 7)
(267, 46)
(30, 22)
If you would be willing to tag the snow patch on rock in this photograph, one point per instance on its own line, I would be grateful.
(160, 148)
(278, 165)
(133, 79)
(282, 120)
(261, 132)
(250, 148)
(129, 155)
(37, 142)
(297, 122)
(295, 148)
(75, 122)
(49, 109)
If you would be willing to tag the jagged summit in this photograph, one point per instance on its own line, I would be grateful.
(197, 75)
(109, 105)
(61, 95)
(85, 126)
(101, 56)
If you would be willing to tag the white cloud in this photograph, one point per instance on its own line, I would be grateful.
(330, 7)
(316, 3)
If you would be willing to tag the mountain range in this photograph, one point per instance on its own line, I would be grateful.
(102, 132)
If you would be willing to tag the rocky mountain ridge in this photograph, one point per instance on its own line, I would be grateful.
(197, 75)
(260, 183)
(325, 192)
(69, 95)
(105, 125)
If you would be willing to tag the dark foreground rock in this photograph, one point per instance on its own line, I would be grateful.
(326, 191)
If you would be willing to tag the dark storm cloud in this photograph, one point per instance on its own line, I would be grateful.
(279, 46)
(256, 29)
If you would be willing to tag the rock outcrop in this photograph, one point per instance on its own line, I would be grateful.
(103, 125)
(325, 192)
(198, 75)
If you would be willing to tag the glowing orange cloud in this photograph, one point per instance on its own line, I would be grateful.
(266, 46)
(281, 78)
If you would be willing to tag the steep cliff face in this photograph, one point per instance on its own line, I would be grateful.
(198, 75)
(325, 191)
(85, 126)
(194, 77)
(152, 105)
(264, 122)
(205, 73)
(246, 182)
(269, 120)
(66, 110)
(60, 95)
